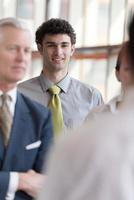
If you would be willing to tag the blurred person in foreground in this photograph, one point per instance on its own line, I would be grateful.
(97, 161)
(94, 162)
(25, 126)
(56, 40)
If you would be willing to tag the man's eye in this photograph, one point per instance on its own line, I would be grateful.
(28, 50)
(64, 45)
(12, 48)
(50, 45)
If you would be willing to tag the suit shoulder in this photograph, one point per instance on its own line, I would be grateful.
(30, 83)
(31, 87)
(33, 104)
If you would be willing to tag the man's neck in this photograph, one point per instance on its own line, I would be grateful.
(7, 87)
(55, 77)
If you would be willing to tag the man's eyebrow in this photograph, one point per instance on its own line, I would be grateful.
(47, 42)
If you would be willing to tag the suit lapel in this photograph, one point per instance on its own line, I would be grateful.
(2, 150)
(19, 129)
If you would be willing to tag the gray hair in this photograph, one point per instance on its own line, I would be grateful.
(14, 22)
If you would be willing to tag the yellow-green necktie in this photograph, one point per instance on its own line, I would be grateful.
(55, 106)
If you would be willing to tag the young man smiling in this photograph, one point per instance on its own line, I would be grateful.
(56, 40)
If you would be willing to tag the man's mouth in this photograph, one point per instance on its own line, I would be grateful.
(57, 59)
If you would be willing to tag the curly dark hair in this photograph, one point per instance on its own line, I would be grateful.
(55, 26)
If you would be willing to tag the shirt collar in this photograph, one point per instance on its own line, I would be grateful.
(63, 84)
(12, 93)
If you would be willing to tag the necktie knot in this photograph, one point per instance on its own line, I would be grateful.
(4, 98)
(54, 89)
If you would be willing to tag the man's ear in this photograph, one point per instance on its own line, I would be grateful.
(72, 49)
(39, 48)
(117, 74)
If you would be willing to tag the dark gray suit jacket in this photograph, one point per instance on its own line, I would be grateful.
(30, 138)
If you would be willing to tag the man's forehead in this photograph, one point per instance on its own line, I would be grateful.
(57, 38)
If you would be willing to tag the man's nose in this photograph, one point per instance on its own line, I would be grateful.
(21, 55)
(58, 50)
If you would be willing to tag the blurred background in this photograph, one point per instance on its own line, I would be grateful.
(100, 25)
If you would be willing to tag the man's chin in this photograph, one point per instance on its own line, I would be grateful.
(59, 67)
(17, 79)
